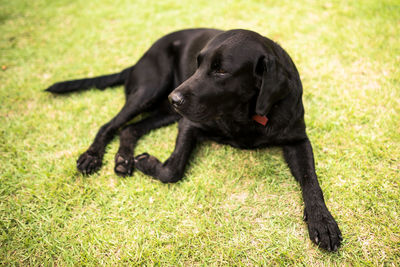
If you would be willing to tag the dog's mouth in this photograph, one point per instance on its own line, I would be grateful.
(198, 115)
(176, 106)
(177, 110)
(195, 112)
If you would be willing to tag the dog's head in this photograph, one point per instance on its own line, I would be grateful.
(237, 73)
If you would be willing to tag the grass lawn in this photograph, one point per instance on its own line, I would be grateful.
(233, 207)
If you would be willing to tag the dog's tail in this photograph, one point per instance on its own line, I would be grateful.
(100, 82)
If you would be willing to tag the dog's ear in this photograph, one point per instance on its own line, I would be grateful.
(274, 83)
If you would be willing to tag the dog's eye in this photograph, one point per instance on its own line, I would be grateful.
(216, 68)
(220, 71)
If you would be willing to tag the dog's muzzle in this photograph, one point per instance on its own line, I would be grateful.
(176, 99)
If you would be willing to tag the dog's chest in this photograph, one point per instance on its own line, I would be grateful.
(242, 135)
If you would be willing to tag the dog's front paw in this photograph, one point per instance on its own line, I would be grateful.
(123, 165)
(323, 229)
(89, 163)
(153, 167)
(146, 164)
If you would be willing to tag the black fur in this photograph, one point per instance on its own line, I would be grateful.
(216, 81)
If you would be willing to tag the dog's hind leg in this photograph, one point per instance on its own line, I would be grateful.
(130, 135)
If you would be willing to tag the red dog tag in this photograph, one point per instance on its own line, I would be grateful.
(260, 119)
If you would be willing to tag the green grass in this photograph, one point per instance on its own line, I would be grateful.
(233, 207)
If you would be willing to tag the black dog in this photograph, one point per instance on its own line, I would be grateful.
(234, 87)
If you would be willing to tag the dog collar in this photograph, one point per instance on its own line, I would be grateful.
(260, 119)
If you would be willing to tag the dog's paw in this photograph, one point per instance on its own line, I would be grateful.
(151, 166)
(323, 229)
(146, 163)
(123, 165)
(89, 163)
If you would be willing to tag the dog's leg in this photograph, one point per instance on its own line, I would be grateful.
(91, 160)
(147, 83)
(138, 102)
(172, 169)
(322, 227)
(131, 134)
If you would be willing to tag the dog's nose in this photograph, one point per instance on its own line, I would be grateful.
(176, 99)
